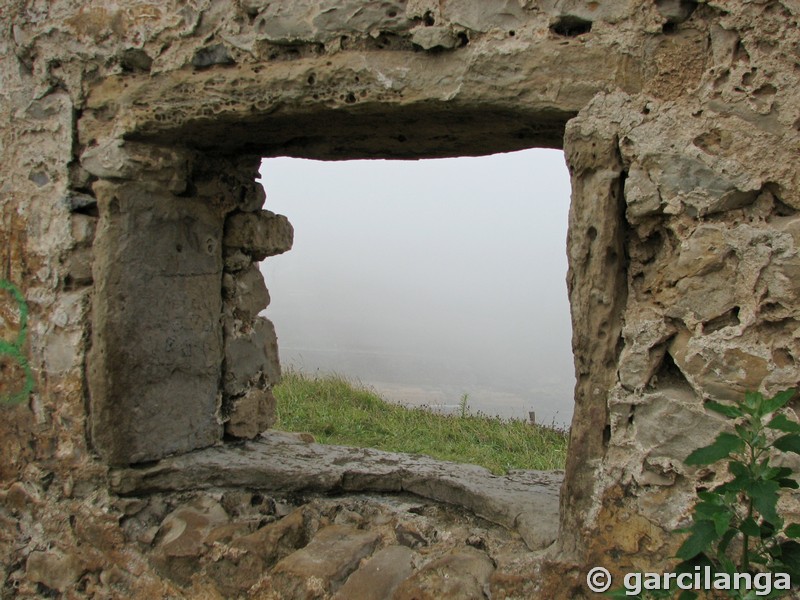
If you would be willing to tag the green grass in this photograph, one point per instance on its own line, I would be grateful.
(336, 411)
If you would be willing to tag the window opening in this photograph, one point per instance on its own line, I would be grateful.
(428, 280)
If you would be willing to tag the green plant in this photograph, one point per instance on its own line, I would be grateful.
(743, 510)
(463, 407)
(735, 525)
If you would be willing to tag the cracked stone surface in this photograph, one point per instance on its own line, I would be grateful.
(525, 501)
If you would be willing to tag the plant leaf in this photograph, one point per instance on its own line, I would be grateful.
(708, 511)
(729, 410)
(703, 534)
(790, 558)
(722, 546)
(727, 565)
(765, 498)
(788, 443)
(725, 444)
(792, 531)
(783, 423)
(752, 401)
(738, 469)
(779, 400)
(750, 527)
(721, 522)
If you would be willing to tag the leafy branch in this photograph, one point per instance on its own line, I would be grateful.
(735, 525)
(743, 510)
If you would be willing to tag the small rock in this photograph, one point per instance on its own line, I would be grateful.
(251, 555)
(676, 11)
(463, 573)
(212, 55)
(251, 356)
(53, 569)
(476, 541)
(236, 260)
(348, 517)
(245, 292)
(380, 575)
(17, 497)
(259, 234)
(409, 535)
(276, 540)
(183, 535)
(130, 506)
(321, 567)
(224, 534)
(251, 414)
(147, 536)
(135, 59)
(429, 38)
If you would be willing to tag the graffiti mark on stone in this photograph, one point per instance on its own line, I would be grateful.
(16, 378)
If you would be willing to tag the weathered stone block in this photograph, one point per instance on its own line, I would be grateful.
(292, 21)
(259, 234)
(322, 566)
(255, 553)
(156, 355)
(429, 38)
(251, 414)
(462, 573)
(182, 537)
(250, 356)
(245, 292)
(115, 159)
(53, 569)
(380, 575)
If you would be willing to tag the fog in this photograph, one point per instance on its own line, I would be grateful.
(429, 279)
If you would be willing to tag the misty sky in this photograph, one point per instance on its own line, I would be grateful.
(429, 279)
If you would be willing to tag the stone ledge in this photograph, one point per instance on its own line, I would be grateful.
(525, 501)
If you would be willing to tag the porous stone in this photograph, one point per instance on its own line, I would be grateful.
(429, 38)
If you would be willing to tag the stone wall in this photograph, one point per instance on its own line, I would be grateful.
(131, 221)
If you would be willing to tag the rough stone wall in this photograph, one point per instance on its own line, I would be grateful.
(131, 223)
(177, 300)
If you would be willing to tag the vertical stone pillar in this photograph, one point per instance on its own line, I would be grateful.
(597, 290)
(155, 362)
(179, 354)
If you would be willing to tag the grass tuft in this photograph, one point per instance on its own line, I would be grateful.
(337, 411)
